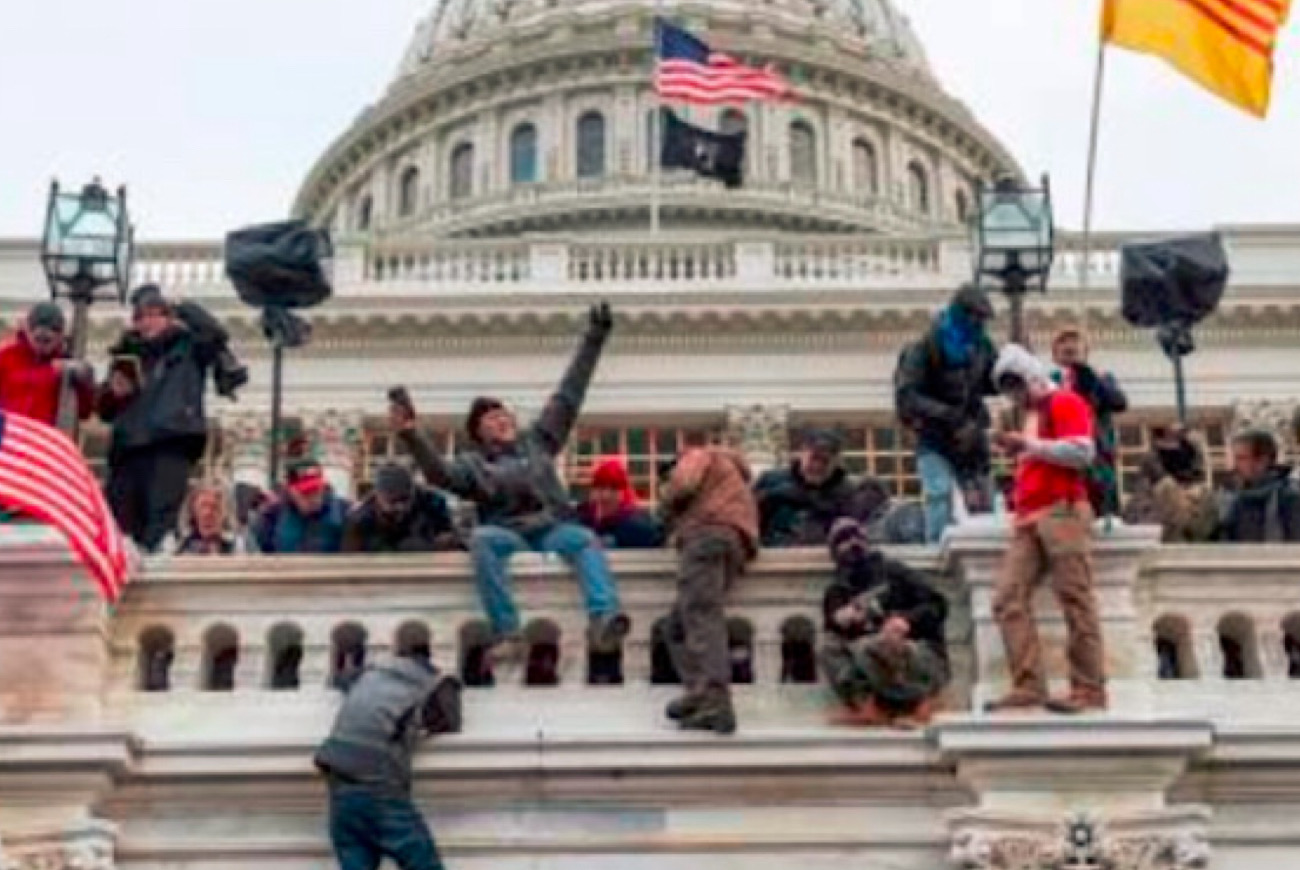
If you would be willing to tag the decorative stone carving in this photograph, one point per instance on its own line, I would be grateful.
(90, 849)
(1276, 416)
(1082, 843)
(335, 440)
(246, 443)
(759, 432)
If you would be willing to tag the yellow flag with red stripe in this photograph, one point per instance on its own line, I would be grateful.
(1224, 45)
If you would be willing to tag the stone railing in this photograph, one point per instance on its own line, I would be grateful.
(1265, 264)
(93, 766)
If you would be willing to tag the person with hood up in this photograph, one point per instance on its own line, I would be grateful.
(1265, 507)
(367, 760)
(1052, 537)
(939, 391)
(1172, 489)
(34, 365)
(885, 654)
(400, 517)
(207, 523)
(153, 399)
(613, 511)
(307, 518)
(523, 505)
(1102, 392)
(713, 518)
(798, 503)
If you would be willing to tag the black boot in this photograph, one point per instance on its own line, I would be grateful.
(680, 708)
(713, 712)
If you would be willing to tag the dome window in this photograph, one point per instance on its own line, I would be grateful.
(803, 154)
(523, 154)
(365, 210)
(462, 171)
(408, 196)
(865, 174)
(918, 188)
(591, 145)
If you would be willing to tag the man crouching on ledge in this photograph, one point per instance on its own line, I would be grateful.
(885, 654)
(712, 516)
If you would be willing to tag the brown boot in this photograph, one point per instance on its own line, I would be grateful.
(1079, 701)
(508, 650)
(865, 715)
(919, 717)
(1018, 701)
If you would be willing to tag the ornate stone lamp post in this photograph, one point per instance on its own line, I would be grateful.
(86, 252)
(1013, 240)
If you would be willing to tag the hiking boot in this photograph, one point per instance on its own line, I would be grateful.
(864, 715)
(1017, 701)
(605, 633)
(712, 713)
(679, 708)
(1078, 701)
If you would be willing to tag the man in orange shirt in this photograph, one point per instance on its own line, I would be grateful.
(1052, 536)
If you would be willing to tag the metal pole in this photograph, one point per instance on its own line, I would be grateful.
(656, 127)
(82, 294)
(1016, 287)
(1094, 136)
(277, 397)
(1180, 385)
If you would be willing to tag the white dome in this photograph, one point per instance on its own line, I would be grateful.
(886, 31)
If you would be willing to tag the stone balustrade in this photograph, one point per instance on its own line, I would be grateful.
(99, 762)
(1264, 262)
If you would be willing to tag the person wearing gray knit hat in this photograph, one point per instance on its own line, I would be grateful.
(1052, 535)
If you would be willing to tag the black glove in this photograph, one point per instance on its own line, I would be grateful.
(600, 320)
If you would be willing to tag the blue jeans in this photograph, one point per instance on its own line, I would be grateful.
(365, 828)
(492, 546)
(938, 481)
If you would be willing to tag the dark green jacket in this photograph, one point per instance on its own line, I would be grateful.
(519, 487)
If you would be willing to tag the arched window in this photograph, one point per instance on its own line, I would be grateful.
(963, 206)
(348, 652)
(284, 642)
(591, 145)
(413, 638)
(803, 154)
(663, 670)
(220, 658)
(1175, 656)
(798, 645)
(1291, 645)
(918, 188)
(740, 644)
(1239, 647)
(543, 664)
(523, 154)
(365, 210)
(462, 171)
(475, 668)
(408, 193)
(865, 177)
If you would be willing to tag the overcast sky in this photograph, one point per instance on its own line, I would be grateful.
(212, 111)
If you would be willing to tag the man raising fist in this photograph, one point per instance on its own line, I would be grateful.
(522, 502)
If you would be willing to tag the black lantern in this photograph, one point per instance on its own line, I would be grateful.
(1013, 239)
(86, 252)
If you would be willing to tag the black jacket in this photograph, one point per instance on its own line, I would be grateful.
(519, 487)
(796, 513)
(169, 404)
(897, 590)
(936, 400)
(1266, 512)
(426, 528)
(635, 529)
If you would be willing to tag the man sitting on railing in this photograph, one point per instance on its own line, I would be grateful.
(797, 504)
(522, 502)
(400, 517)
(885, 654)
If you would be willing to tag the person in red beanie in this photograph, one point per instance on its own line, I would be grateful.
(33, 364)
(614, 513)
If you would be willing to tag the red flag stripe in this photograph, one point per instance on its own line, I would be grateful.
(25, 465)
(1242, 10)
(100, 568)
(1217, 18)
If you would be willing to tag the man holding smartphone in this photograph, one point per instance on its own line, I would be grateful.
(1052, 537)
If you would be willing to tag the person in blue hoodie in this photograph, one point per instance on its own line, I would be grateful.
(308, 518)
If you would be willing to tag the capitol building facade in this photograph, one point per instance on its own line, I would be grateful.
(503, 183)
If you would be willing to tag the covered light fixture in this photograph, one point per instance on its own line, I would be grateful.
(1014, 241)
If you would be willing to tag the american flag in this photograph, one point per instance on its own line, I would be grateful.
(689, 71)
(44, 476)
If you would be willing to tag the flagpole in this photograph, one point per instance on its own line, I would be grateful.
(656, 126)
(1090, 184)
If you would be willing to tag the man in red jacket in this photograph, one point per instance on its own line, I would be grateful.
(1052, 537)
(33, 364)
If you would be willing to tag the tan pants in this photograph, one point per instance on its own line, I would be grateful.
(1059, 544)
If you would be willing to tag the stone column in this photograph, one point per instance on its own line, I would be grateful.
(760, 433)
(974, 552)
(1043, 805)
(246, 440)
(336, 439)
(1278, 417)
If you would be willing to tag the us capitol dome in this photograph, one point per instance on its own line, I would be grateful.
(527, 116)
